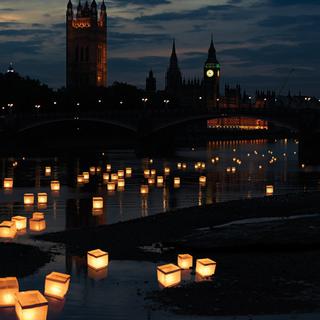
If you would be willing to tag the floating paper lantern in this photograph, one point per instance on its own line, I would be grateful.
(120, 174)
(92, 170)
(203, 165)
(31, 305)
(106, 177)
(177, 182)
(169, 275)
(160, 180)
(111, 186)
(98, 169)
(28, 199)
(121, 183)
(57, 285)
(37, 224)
(166, 171)
(114, 177)
(146, 173)
(108, 167)
(42, 198)
(153, 172)
(196, 166)
(185, 261)
(86, 175)
(8, 229)
(55, 185)
(233, 169)
(184, 166)
(97, 203)
(21, 222)
(203, 179)
(80, 179)
(128, 172)
(151, 181)
(8, 183)
(38, 215)
(269, 190)
(8, 288)
(144, 189)
(179, 165)
(47, 171)
(97, 259)
(205, 267)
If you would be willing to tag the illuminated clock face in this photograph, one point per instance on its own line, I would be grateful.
(210, 73)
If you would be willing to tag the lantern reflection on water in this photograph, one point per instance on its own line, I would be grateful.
(21, 222)
(97, 203)
(185, 261)
(169, 275)
(42, 198)
(28, 199)
(8, 288)
(97, 259)
(31, 305)
(8, 229)
(57, 285)
(205, 267)
(8, 183)
(37, 224)
(55, 185)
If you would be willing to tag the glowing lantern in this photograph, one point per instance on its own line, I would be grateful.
(185, 261)
(80, 179)
(28, 199)
(205, 267)
(92, 170)
(196, 166)
(108, 167)
(47, 171)
(31, 305)
(179, 165)
(97, 203)
(37, 224)
(233, 169)
(86, 176)
(106, 177)
(269, 190)
(8, 288)
(42, 198)
(55, 185)
(120, 174)
(153, 172)
(166, 171)
(203, 180)
(121, 183)
(98, 259)
(128, 172)
(184, 166)
(8, 229)
(98, 169)
(57, 285)
(169, 275)
(37, 215)
(144, 189)
(114, 177)
(146, 173)
(160, 180)
(177, 182)
(7, 183)
(203, 165)
(21, 222)
(111, 186)
(151, 181)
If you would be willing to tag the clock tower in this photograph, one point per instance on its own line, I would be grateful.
(212, 78)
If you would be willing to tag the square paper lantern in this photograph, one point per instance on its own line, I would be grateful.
(160, 180)
(42, 198)
(37, 224)
(97, 259)
(114, 177)
(121, 183)
(80, 178)
(7, 183)
(202, 180)
(8, 288)
(47, 171)
(151, 181)
(120, 174)
(167, 171)
(105, 177)
(108, 167)
(177, 182)
(144, 189)
(8, 229)
(153, 172)
(57, 285)
(55, 185)
(179, 165)
(269, 190)
(28, 199)
(169, 275)
(206, 267)
(38, 215)
(185, 261)
(31, 305)
(98, 169)
(86, 175)
(128, 172)
(146, 173)
(97, 203)
(92, 170)
(21, 222)
(184, 166)
(111, 186)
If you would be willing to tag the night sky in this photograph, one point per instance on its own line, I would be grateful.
(258, 42)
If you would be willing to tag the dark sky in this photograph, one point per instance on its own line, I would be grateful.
(258, 42)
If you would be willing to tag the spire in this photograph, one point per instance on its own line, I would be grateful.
(70, 4)
(79, 10)
(212, 58)
(103, 6)
(94, 4)
(174, 58)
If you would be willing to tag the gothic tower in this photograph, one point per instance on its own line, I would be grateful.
(212, 78)
(86, 45)
(151, 83)
(173, 76)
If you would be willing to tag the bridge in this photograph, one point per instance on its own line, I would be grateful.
(149, 122)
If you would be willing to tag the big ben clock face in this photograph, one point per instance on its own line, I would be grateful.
(210, 73)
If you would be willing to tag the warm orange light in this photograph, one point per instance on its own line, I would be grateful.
(269, 190)
(106, 177)
(42, 198)
(184, 166)
(37, 224)
(179, 165)
(31, 305)
(111, 186)
(92, 170)
(185, 261)
(120, 174)
(153, 172)
(166, 171)
(151, 181)
(128, 172)
(144, 189)
(86, 176)
(57, 285)
(114, 177)
(47, 171)
(80, 179)
(97, 203)
(203, 180)
(108, 167)
(206, 267)
(97, 259)
(169, 275)
(121, 183)
(8, 288)
(55, 185)
(160, 180)
(8, 229)
(146, 173)
(177, 182)
(7, 183)
(98, 169)
(28, 199)
(21, 222)
(38, 215)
